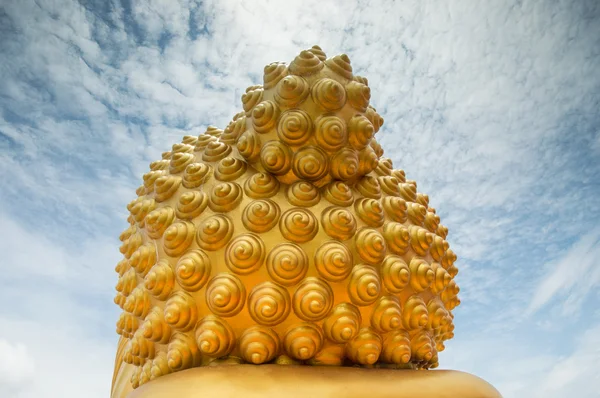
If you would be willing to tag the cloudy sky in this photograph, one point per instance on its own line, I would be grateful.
(492, 106)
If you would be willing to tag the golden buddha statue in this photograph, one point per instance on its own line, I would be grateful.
(285, 256)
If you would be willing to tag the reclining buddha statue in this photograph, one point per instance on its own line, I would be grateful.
(285, 256)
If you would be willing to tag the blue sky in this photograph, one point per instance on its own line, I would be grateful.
(492, 107)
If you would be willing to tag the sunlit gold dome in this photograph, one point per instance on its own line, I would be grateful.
(286, 238)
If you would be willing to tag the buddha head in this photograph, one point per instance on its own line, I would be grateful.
(286, 238)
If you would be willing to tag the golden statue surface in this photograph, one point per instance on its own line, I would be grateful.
(287, 239)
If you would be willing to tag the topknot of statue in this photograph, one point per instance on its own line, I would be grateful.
(310, 120)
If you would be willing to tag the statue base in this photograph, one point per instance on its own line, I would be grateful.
(270, 381)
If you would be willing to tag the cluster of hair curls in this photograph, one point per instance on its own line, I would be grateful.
(286, 238)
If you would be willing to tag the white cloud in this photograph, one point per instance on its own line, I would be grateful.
(490, 107)
(519, 366)
(17, 366)
(51, 317)
(577, 273)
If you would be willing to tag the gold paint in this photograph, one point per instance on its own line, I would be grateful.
(233, 130)
(340, 64)
(230, 169)
(138, 302)
(191, 204)
(421, 274)
(127, 233)
(276, 158)
(160, 366)
(261, 215)
(259, 344)
(389, 185)
(150, 178)
(251, 98)
(261, 186)
(291, 91)
(357, 272)
(330, 133)
(408, 192)
(264, 116)
(196, 174)
(141, 347)
(386, 314)
(339, 223)
(189, 140)
(165, 187)
(368, 186)
(338, 193)
(306, 63)
(364, 286)
(160, 280)
(396, 274)
(365, 348)
(360, 132)
(180, 148)
(157, 221)
(330, 355)
(127, 282)
(298, 225)
(384, 167)
(249, 146)
(215, 151)
(287, 264)
(313, 299)
(397, 237)
(333, 261)
(178, 237)
(329, 94)
(399, 174)
(416, 213)
(245, 254)
(303, 193)
(213, 131)
(359, 95)
(344, 165)
(131, 244)
(182, 353)
(269, 303)
(414, 313)
(225, 295)
(303, 341)
(181, 312)
(179, 162)
(432, 221)
(420, 240)
(367, 160)
(203, 141)
(310, 163)
(155, 328)
(396, 347)
(316, 50)
(369, 211)
(159, 165)
(295, 127)
(143, 258)
(225, 196)
(273, 73)
(343, 323)
(214, 337)
(370, 245)
(214, 232)
(438, 248)
(193, 270)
